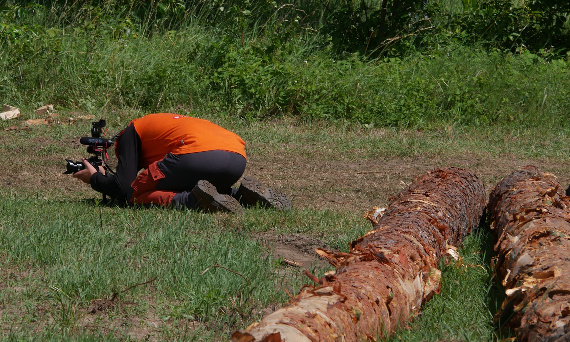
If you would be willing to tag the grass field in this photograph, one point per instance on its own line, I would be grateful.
(336, 113)
(72, 268)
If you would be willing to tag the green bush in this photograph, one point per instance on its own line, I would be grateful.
(538, 26)
(260, 60)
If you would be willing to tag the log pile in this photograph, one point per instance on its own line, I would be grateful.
(388, 273)
(531, 220)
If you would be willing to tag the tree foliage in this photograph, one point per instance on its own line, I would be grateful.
(367, 27)
(535, 25)
(387, 62)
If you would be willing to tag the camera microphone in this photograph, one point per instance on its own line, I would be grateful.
(99, 142)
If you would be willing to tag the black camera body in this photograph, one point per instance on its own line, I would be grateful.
(95, 145)
(75, 166)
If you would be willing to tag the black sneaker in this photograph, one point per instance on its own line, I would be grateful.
(255, 193)
(209, 199)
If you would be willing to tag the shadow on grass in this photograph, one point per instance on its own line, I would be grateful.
(496, 292)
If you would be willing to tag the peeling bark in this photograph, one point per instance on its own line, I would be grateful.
(388, 273)
(531, 220)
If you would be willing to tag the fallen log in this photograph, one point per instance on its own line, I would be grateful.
(530, 218)
(388, 273)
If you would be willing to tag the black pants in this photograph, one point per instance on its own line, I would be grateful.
(182, 172)
(172, 179)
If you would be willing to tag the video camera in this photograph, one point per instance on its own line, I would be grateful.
(95, 145)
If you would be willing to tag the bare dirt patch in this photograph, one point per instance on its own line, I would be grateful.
(112, 315)
(33, 160)
(294, 249)
(351, 184)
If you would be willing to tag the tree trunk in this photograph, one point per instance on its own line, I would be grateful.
(388, 273)
(531, 220)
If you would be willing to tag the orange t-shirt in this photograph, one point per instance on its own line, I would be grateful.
(165, 133)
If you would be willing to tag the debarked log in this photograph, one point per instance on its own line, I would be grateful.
(530, 217)
(388, 273)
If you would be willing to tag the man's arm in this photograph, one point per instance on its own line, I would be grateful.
(118, 185)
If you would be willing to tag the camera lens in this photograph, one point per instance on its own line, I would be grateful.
(73, 167)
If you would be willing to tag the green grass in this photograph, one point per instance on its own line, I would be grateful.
(62, 255)
(180, 268)
(201, 276)
(277, 79)
(340, 140)
(468, 300)
(187, 269)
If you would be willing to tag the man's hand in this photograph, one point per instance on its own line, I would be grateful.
(85, 174)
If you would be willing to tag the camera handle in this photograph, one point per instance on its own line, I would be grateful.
(107, 168)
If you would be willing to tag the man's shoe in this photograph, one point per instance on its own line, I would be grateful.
(209, 199)
(255, 193)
